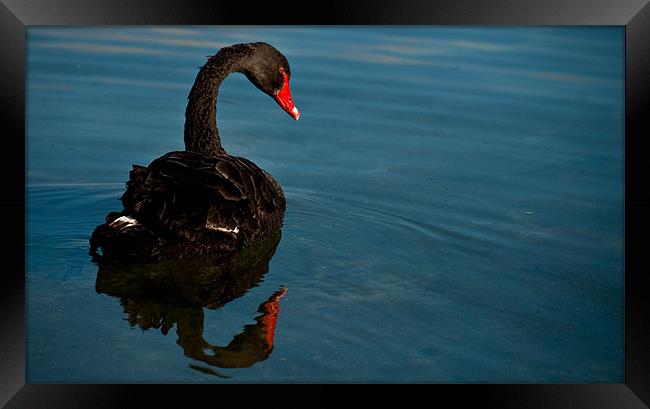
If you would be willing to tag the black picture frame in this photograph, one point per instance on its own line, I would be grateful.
(16, 15)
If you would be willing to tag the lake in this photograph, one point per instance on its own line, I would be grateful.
(454, 203)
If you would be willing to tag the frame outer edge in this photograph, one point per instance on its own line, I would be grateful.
(637, 203)
(12, 33)
(12, 204)
(367, 12)
(12, 290)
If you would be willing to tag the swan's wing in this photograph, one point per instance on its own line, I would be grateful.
(187, 193)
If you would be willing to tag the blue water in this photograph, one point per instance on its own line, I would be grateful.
(454, 201)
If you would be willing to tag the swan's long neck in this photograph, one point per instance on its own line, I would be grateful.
(201, 134)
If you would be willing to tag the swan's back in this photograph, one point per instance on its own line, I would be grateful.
(186, 203)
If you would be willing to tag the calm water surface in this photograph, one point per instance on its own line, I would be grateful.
(454, 201)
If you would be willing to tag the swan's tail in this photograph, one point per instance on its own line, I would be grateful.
(124, 238)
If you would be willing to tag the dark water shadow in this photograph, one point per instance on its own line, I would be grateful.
(161, 295)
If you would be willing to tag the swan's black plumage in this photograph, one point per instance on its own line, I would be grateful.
(201, 200)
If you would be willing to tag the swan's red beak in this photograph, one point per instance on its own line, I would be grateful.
(283, 98)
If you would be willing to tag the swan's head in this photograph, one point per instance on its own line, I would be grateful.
(269, 71)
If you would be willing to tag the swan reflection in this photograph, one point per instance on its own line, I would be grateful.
(162, 295)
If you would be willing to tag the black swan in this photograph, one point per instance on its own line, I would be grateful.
(202, 200)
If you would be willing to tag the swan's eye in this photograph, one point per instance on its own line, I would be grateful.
(282, 70)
